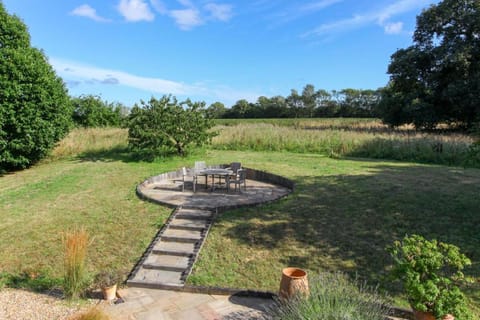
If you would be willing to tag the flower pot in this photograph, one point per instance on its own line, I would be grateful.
(110, 293)
(421, 315)
(294, 281)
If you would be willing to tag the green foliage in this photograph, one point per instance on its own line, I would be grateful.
(437, 78)
(431, 272)
(333, 296)
(90, 111)
(34, 107)
(164, 126)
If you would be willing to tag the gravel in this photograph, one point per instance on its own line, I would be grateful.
(18, 304)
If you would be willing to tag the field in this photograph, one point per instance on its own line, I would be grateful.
(343, 213)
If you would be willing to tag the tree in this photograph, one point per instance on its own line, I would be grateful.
(35, 112)
(164, 126)
(91, 111)
(216, 110)
(437, 79)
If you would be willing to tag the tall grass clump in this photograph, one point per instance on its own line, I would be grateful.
(75, 251)
(87, 140)
(93, 313)
(333, 296)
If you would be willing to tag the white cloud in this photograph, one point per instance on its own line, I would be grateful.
(88, 12)
(135, 10)
(318, 5)
(186, 19)
(76, 74)
(159, 6)
(393, 28)
(379, 17)
(222, 12)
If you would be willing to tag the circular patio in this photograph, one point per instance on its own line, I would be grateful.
(261, 187)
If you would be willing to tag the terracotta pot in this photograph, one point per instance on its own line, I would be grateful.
(420, 315)
(110, 293)
(294, 281)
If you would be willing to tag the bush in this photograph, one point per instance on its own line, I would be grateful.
(431, 272)
(334, 297)
(90, 111)
(164, 127)
(35, 112)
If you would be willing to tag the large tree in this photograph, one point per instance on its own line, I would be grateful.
(34, 106)
(437, 79)
(164, 126)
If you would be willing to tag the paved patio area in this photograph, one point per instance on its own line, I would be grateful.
(170, 193)
(150, 304)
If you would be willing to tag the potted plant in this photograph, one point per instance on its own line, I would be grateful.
(431, 272)
(107, 280)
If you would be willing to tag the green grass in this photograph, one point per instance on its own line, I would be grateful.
(340, 218)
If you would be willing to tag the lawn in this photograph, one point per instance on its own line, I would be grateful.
(341, 216)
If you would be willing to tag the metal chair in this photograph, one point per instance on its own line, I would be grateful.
(199, 167)
(186, 174)
(240, 178)
(235, 166)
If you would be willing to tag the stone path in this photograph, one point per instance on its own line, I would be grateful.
(171, 255)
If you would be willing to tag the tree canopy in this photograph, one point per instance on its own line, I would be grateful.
(91, 111)
(165, 126)
(34, 106)
(437, 79)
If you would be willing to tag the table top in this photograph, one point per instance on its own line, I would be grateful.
(218, 171)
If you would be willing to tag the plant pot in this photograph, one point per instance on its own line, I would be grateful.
(294, 281)
(421, 315)
(110, 293)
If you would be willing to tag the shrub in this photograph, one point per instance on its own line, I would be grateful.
(35, 112)
(90, 111)
(333, 296)
(75, 277)
(431, 272)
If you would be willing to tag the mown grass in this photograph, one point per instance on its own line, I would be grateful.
(92, 187)
(340, 218)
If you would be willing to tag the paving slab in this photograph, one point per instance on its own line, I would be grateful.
(169, 261)
(182, 234)
(154, 277)
(178, 247)
(171, 305)
(199, 224)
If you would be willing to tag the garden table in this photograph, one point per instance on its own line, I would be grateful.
(220, 173)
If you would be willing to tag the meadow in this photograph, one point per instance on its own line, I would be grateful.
(344, 212)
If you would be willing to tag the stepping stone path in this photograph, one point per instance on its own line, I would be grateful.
(170, 257)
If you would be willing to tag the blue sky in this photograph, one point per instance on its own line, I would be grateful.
(217, 50)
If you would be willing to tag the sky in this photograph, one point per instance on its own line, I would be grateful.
(217, 50)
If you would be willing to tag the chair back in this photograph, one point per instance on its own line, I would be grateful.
(242, 175)
(200, 165)
(235, 166)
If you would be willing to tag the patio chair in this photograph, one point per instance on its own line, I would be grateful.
(187, 177)
(235, 166)
(199, 166)
(239, 179)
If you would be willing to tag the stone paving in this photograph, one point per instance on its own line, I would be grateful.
(149, 304)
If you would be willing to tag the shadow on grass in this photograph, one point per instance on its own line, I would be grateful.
(344, 222)
(119, 153)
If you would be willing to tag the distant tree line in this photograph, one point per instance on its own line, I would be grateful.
(92, 111)
(310, 103)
